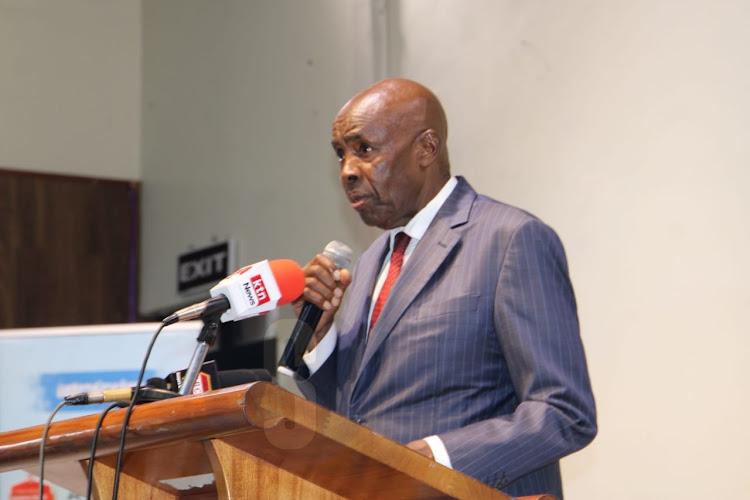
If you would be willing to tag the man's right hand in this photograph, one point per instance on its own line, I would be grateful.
(324, 287)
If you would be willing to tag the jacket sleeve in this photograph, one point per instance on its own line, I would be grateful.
(537, 324)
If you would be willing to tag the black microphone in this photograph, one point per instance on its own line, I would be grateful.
(291, 359)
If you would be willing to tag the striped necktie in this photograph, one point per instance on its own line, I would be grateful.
(400, 243)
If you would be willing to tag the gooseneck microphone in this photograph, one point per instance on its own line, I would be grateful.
(291, 359)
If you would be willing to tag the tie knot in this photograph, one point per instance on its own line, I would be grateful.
(400, 242)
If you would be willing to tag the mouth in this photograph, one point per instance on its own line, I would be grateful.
(356, 200)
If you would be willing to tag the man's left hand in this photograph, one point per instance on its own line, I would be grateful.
(421, 447)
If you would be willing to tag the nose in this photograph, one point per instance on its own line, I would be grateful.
(349, 170)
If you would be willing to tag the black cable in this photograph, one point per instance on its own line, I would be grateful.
(43, 444)
(136, 393)
(93, 445)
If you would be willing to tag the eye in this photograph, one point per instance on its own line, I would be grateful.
(365, 148)
(340, 155)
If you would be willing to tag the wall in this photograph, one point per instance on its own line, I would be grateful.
(625, 126)
(70, 87)
(238, 103)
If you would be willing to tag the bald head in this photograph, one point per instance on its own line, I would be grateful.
(406, 106)
(391, 143)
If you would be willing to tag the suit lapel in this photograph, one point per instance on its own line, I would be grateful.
(436, 245)
(359, 296)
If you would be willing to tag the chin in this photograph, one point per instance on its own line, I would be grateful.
(369, 221)
(380, 219)
(373, 221)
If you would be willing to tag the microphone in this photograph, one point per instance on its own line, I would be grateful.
(291, 359)
(206, 379)
(145, 394)
(250, 291)
(158, 388)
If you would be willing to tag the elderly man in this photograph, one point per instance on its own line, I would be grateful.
(459, 334)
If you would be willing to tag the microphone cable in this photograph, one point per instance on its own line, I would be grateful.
(43, 445)
(126, 420)
(136, 393)
(97, 429)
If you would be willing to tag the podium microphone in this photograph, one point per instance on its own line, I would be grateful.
(291, 359)
(250, 291)
(146, 394)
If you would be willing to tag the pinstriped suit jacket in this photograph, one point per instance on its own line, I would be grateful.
(478, 344)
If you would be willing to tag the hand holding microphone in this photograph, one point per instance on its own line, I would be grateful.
(326, 279)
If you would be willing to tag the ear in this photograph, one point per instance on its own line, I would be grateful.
(428, 147)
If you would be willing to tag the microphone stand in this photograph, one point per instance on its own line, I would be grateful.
(206, 339)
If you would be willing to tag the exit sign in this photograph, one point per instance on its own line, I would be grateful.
(203, 267)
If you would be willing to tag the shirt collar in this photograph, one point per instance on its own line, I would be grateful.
(418, 224)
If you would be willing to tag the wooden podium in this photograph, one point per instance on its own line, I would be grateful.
(258, 441)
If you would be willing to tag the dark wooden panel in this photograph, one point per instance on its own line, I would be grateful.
(68, 250)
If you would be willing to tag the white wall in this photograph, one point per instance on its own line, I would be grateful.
(70, 83)
(624, 125)
(239, 98)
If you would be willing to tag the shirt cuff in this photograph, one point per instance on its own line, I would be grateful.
(439, 453)
(314, 359)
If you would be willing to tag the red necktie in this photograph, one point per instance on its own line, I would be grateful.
(397, 259)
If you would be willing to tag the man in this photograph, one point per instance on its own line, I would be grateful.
(474, 359)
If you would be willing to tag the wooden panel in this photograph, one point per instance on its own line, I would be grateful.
(68, 250)
(243, 473)
(129, 486)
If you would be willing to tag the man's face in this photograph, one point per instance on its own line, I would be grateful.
(379, 169)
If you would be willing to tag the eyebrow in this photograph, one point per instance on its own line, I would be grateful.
(348, 139)
(352, 137)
